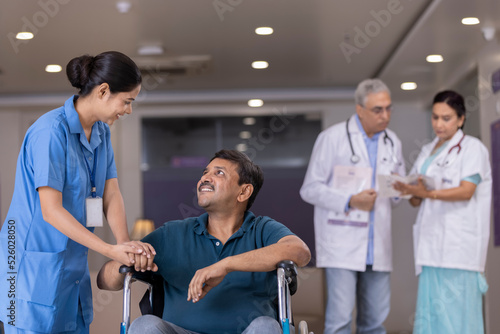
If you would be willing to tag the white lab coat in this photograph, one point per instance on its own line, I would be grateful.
(346, 246)
(454, 234)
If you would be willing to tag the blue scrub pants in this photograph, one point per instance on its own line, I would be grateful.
(369, 291)
(449, 301)
(153, 325)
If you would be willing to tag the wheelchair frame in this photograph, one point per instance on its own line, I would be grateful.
(287, 286)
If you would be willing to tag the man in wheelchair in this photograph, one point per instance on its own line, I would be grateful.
(218, 268)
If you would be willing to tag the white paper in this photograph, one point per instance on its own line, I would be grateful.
(94, 212)
(386, 184)
(352, 180)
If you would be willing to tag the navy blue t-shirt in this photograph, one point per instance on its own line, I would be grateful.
(184, 246)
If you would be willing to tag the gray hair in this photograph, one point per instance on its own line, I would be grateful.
(367, 87)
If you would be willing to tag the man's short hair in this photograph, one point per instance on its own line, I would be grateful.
(367, 87)
(248, 172)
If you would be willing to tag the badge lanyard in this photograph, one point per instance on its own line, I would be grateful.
(93, 203)
(92, 172)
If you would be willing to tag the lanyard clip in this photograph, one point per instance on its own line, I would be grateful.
(94, 194)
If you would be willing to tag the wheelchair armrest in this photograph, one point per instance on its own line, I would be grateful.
(152, 301)
(290, 269)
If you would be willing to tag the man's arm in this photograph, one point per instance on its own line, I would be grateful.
(109, 277)
(259, 260)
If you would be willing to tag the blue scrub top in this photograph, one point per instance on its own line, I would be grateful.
(45, 274)
(184, 246)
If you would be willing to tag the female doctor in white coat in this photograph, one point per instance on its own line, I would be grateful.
(452, 228)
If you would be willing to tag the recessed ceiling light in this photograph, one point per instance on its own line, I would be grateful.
(150, 50)
(245, 135)
(53, 68)
(242, 147)
(255, 103)
(470, 21)
(123, 7)
(408, 86)
(249, 121)
(434, 58)
(264, 31)
(260, 64)
(24, 35)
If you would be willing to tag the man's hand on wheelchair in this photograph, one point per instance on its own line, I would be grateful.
(142, 258)
(205, 279)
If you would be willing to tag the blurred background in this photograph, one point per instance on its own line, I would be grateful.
(213, 80)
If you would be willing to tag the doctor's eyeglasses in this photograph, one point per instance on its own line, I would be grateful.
(379, 110)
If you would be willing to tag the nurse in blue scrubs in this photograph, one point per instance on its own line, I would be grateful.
(66, 178)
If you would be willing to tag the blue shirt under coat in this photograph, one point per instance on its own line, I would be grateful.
(51, 270)
(184, 246)
(372, 148)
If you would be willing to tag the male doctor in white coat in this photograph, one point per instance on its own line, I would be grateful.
(357, 253)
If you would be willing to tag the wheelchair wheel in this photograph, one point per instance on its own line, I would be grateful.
(303, 327)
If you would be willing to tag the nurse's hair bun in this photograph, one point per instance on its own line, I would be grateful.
(111, 67)
(78, 71)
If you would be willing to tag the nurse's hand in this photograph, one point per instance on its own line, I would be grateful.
(142, 248)
(123, 253)
(143, 257)
(416, 190)
(365, 200)
(144, 260)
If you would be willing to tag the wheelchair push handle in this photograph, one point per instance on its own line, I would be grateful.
(126, 269)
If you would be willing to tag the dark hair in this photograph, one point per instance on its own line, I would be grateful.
(111, 67)
(454, 100)
(248, 172)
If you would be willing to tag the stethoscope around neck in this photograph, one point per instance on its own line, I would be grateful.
(354, 157)
(445, 162)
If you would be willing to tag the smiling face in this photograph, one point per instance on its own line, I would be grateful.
(116, 105)
(445, 121)
(218, 186)
(376, 112)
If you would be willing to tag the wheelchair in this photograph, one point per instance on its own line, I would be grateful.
(153, 299)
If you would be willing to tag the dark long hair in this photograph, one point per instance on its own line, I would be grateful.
(111, 67)
(454, 100)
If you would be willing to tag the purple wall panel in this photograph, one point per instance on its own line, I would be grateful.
(495, 162)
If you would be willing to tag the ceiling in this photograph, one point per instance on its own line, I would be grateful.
(317, 45)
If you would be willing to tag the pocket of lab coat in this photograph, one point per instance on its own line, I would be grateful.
(39, 275)
(448, 177)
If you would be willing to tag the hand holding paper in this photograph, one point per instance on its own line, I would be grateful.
(356, 181)
(405, 187)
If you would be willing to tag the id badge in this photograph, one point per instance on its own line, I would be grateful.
(94, 211)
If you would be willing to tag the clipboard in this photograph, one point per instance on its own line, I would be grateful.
(351, 180)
